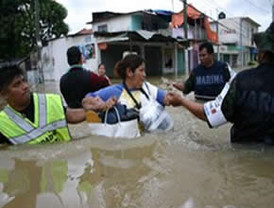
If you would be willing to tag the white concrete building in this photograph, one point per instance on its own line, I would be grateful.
(54, 57)
(235, 38)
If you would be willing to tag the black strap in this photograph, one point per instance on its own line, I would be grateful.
(144, 92)
(138, 105)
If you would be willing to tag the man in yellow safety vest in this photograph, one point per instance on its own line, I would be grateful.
(31, 117)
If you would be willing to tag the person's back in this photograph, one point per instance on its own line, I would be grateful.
(77, 82)
(74, 85)
(254, 110)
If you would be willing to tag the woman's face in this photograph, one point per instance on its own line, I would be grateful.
(137, 78)
(102, 70)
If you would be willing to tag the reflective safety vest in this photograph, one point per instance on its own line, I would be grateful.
(49, 122)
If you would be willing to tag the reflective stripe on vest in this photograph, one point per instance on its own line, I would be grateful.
(42, 110)
(38, 132)
(18, 119)
(32, 132)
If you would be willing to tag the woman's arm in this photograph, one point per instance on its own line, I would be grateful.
(93, 103)
(97, 104)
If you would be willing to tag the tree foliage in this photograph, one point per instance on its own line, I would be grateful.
(18, 25)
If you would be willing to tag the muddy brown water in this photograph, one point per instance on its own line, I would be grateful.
(191, 166)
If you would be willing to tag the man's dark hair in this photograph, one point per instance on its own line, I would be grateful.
(208, 46)
(73, 55)
(268, 58)
(7, 73)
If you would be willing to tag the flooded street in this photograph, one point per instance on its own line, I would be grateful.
(190, 167)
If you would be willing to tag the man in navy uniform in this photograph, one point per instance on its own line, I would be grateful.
(247, 102)
(208, 78)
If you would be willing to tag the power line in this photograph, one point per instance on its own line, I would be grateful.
(256, 6)
(241, 28)
(224, 26)
(223, 9)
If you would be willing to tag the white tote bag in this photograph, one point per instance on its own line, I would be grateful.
(123, 129)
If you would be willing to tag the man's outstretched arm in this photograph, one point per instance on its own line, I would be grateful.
(195, 108)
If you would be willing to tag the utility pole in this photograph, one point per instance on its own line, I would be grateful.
(217, 30)
(185, 35)
(38, 41)
(241, 43)
(272, 11)
(172, 2)
(218, 43)
(185, 18)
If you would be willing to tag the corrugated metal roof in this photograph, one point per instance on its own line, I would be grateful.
(139, 35)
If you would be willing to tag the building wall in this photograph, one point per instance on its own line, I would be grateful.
(247, 30)
(54, 59)
(54, 56)
(132, 22)
(193, 32)
(232, 30)
(116, 24)
(136, 22)
(228, 36)
(236, 34)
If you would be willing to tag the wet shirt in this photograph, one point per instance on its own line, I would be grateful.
(77, 82)
(207, 83)
(248, 103)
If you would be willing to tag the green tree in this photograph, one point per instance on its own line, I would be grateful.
(18, 25)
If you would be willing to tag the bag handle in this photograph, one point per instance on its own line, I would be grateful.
(117, 114)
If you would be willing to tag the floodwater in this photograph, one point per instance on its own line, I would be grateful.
(191, 166)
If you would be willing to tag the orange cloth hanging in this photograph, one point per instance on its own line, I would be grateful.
(177, 20)
(211, 35)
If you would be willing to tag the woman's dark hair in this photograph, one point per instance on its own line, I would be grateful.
(100, 65)
(73, 55)
(7, 73)
(208, 46)
(131, 61)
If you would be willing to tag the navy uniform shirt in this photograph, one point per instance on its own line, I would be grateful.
(207, 83)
